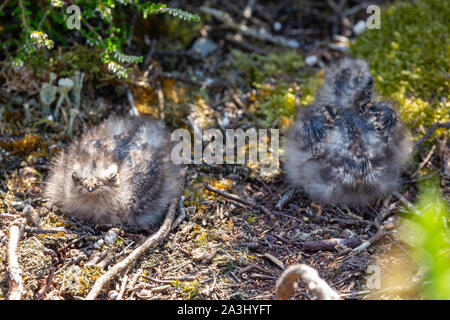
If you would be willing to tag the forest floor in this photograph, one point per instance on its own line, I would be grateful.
(232, 245)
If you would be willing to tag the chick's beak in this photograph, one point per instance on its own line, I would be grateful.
(89, 187)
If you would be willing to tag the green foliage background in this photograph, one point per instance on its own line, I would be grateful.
(104, 25)
(410, 59)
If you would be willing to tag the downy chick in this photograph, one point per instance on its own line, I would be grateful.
(345, 148)
(119, 172)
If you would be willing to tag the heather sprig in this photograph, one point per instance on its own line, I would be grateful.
(101, 26)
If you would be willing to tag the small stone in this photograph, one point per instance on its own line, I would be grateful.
(27, 172)
(204, 46)
(277, 26)
(35, 192)
(359, 27)
(339, 47)
(341, 39)
(203, 255)
(99, 244)
(113, 294)
(346, 233)
(311, 60)
(341, 43)
(31, 215)
(110, 237)
(225, 121)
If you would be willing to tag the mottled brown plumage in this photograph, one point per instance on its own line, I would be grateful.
(346, 148)
(119, 172)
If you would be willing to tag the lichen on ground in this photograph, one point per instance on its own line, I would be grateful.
(33, 261)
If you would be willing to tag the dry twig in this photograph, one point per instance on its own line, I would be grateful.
(150, 243)
(122, 288)
(331, 244)
(430, 132)
(46, 230)
(259, 34)
(424, 162)
(41, 293)
(15, 272)
(376, 237)
(229, 195)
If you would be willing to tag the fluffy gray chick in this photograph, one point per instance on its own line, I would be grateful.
(119, 172)
(345, 148)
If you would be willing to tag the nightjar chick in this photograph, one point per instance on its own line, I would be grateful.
(119, 172)
(346, 148)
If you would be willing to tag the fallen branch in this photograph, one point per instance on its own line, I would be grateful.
(287, 197)
(45, 230)
(424, 162)
(236, 41)
(122, 288)
(376, 237)
(406, 202)
(241, 105)
(150, 243)
(274, 259)
(42, 292)
(133, 281)
(8, 216)
(385, 213)
(206, 83)
(262, 276)
(15, 272)
(430, 132)
(181, 214)
(317, 286)
(331, 244)
(229, 195)
(259, 34)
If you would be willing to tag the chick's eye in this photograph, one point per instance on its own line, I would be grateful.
(75, 178)
(113, 178)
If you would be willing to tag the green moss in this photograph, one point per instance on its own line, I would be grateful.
(276, 77)
(274, 102)
(258, 68)
(177, 29)
(65, 62)
(409, 58)
(188, 289)
(310, 87)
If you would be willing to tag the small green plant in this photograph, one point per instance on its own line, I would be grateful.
(103, 25)
(428, 234)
